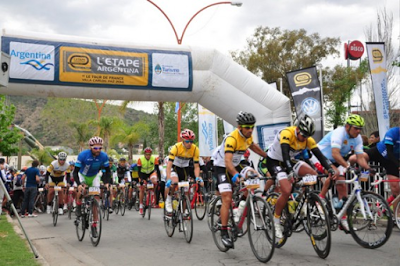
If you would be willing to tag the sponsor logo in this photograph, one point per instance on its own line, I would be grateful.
(158, 69)
(79, 62)
(345, 142)
(377, 55)
(302, 79)
(310, 106)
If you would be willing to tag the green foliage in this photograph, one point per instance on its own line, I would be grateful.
(43, 156)
(9, 136)
(338, 88)
(272, 52)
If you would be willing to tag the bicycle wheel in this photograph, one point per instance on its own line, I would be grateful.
(55, 210)
(209, 205)
(374, 231)
(149, 205)
(396, 215)
(261, 229)
(271, 200)
(200, 205)
(70, 206)
(169, 222)
(95, 223)
(80, 227)
(216, 224)
(107, 208)
(137, 203)
(117, 203)
(123, 204)
(103, 205)
(318, 225)
(187, 220)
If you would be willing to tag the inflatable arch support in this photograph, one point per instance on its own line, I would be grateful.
(74, 67)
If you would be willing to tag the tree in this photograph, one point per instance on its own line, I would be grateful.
(129, 136)
(9, 136)
(107, 125)
(338, 88)
(43, 156)
(82, 134)
(272, 52)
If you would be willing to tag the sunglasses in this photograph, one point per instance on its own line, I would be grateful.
(188, 141)
(304, 136)
(63, 160)
(357, 128)
(97, 148)
(247, 126)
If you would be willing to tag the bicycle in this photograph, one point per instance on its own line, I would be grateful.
(178, 215)
(119, 202)
(379, 178)
(198, 201)
(310, 212)
(90, 216)
(40, 200)
(259, 222)
(368, 213)
(105, 203)
(70, 202)
(148, 196)
(55, 204)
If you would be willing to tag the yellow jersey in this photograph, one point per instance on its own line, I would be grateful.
(181, 156)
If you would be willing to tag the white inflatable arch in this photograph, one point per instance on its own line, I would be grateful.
(216, 81)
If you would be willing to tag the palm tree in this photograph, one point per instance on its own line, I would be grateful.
(42, 155)
(127, 135)
(82, 134)
(107, 125)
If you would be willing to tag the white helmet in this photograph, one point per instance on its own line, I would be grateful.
(62, 156)
(42, 168)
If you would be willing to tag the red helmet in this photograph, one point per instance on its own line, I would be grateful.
(148, 150)
(96, 141)
(187, 134)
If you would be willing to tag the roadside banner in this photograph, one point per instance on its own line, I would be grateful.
(207, 131)
(306, 93)
(377, 66)
(228, 128)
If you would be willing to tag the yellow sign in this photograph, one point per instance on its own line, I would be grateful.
(302, 79)
(377, 55)
(96, 66)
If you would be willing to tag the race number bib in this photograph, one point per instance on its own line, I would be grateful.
(252, 183)
(309, 180)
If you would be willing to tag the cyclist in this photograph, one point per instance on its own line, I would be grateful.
(123, 176)
(88, 171)
(336, 147)
(227, 167)
(178, 162)
(289, 143)
(387, 153)
(147, 165)
(55, 176)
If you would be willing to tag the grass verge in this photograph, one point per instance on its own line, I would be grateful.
(13, 249)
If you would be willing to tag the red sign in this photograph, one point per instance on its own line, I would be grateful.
(355, 50)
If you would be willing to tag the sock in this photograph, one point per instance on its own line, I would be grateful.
(277, 218)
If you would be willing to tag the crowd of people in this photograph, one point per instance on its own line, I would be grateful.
(293, 152)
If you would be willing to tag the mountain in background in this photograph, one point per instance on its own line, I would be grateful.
(48, 119)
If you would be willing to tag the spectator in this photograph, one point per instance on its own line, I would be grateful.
(32, 178)
(160, 191)
(18, 193)
(365, 141)
(374, 139)
(3, 178)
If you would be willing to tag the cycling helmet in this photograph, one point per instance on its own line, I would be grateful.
(306, 126)
(42, 168)
(62, 156)
(96, 141)
(11, 168)
(355, 120)
(187, 134)
(71, 163)
(148, 150)
(24, 168)
(244, 118)
(122, 159)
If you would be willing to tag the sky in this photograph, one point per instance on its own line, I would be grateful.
(221, 26)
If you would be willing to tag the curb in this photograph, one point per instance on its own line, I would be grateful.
(41, 260)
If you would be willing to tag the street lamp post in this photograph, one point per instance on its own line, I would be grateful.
(179, 39)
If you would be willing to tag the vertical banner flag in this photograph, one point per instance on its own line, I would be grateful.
(377, 66)
(306, 94)
(207, 131)
(228, 128)
(266, 133)
(176, 107)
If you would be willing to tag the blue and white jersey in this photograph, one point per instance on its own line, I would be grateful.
(89, 165)
(392, 137)
(339, 138)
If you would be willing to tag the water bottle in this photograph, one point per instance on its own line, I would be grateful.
(291, 206)
(235, 214)
(337, 203)
(175, 204)
(242, 204)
